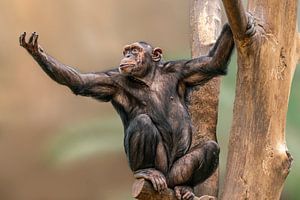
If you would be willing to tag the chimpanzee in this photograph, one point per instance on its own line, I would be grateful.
(150, 96)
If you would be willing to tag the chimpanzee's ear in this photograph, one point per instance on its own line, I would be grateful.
(156, 54)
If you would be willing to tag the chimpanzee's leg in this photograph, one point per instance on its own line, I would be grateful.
(145, 152)
(196, 166)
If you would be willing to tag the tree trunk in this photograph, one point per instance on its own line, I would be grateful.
(258, 162)
(205, 21)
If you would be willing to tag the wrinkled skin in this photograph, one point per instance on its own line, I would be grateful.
(150, 97)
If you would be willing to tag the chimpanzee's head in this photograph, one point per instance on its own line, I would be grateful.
(139, 58)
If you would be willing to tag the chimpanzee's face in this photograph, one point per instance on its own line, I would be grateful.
(138, 58)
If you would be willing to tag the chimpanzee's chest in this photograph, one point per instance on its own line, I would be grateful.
(138, 97)
(163, 90)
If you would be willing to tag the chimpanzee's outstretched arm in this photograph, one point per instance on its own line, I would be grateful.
(199, 70)
(97, 85)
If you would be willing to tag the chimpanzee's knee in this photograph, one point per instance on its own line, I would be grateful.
(212, 151)
(209, 163)
(140, 142)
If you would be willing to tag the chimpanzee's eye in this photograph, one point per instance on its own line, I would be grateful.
(135, 51)
(125, 52)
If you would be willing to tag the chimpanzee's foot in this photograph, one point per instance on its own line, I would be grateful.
(250, 25)
(157, 178)
(184, 192)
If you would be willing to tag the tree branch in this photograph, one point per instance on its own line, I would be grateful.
(237, 18)
(143, 190)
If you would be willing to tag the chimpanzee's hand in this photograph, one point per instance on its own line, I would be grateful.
(32, 45)
(157, 178)
(250, 25)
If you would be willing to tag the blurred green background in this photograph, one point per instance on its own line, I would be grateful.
(56, 146)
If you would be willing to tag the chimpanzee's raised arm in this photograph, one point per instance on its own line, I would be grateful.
(199, 70)
(97, 85)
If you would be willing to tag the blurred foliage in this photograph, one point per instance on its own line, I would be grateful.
(98, 136)
(293, 138)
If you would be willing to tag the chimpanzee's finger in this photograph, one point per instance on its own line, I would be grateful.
(163, 184)
(157, 181)
(154, 183)
(22, 39)
(188, 196)
(35, 41)
(31, 38)
(177, 193)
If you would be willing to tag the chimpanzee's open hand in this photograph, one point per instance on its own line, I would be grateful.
(32, 45)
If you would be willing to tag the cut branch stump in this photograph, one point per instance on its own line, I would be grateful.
(143, 190)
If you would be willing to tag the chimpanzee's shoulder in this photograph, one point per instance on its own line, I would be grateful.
(173, 66)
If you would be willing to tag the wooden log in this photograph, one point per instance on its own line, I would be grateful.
(143, 190)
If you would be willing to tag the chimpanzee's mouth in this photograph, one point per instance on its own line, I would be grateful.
(122, 66)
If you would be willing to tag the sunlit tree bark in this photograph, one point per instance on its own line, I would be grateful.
(258, 161)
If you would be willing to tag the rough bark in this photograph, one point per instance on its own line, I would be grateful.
(205, 22)
(258, 162)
